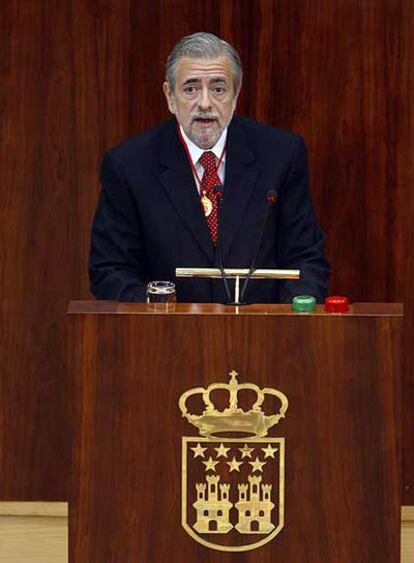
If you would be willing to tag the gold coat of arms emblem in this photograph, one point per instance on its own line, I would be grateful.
(233, 473)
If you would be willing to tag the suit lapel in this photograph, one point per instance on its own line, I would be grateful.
(241, 175)
(178, 181)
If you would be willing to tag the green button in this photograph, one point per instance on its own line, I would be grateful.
(303, 303)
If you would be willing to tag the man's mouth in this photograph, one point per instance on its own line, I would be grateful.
(205, 120)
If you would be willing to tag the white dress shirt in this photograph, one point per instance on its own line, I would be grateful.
(196, 152)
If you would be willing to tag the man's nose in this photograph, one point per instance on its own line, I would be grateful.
(204, 101)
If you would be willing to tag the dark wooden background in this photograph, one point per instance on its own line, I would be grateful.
(78, 76)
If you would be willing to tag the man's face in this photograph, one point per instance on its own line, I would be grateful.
(203, 99)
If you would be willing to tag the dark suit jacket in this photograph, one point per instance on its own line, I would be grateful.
(149, 218)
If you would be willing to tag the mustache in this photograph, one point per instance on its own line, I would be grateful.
(204, 115)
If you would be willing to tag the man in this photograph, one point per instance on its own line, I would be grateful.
(160, 208)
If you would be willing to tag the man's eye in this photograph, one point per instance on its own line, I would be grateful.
(189, 89)
(219, 90)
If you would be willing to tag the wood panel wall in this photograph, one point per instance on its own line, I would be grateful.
(77, 76)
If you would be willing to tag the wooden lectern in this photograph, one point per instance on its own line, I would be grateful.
(157, 482)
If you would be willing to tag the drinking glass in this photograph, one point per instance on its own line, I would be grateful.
(162, 292)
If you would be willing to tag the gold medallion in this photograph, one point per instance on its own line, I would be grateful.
(207, 205)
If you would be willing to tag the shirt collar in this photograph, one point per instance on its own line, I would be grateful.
(196, 152)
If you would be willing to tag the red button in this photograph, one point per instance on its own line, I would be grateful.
(336, 304)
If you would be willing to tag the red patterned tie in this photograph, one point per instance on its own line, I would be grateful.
(208, 195)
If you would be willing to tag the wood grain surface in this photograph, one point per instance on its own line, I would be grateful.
(115, 307)
(79, 76)
(33, 532)
(341, 376)
(58, 550)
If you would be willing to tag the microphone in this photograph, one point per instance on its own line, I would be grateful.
(271, 198)
(218, 190)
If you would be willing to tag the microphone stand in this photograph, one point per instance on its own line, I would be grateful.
(219, 195)
(271, 198)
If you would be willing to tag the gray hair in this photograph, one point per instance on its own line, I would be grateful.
(204, 46)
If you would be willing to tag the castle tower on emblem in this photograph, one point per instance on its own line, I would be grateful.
(254, 507)
(212, 506)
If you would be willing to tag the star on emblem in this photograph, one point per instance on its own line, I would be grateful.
(269, 451)
(234, 464)
(198, 450)
(257, 464)
(246, 451)
(222, 451)
(210, 464)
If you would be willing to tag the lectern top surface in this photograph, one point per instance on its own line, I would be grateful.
(115, 307)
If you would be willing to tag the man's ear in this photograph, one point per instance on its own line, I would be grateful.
(236, 97)
(169, 97)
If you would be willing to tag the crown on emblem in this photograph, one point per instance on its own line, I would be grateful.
(233, 419)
